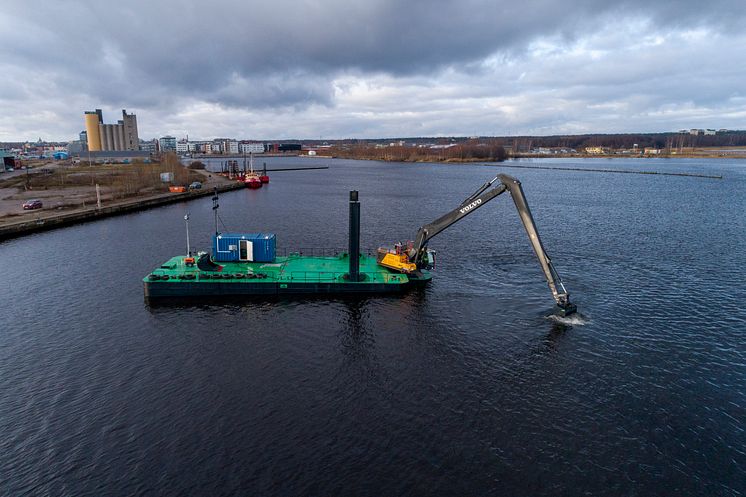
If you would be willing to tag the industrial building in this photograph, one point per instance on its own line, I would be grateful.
(167, 144)
(251, 148)
(150, 146)
(111, 137)
(7, 161)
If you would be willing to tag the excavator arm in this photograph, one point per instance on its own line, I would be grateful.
(419, 254)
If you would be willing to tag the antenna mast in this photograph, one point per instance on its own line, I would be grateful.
(215, 208)
(186, 220)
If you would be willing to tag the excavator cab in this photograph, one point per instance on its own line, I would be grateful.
(430, 259)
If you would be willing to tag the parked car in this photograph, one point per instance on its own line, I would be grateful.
(32, 204)
(195, 186)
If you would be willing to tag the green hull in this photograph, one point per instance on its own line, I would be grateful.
(292, 275)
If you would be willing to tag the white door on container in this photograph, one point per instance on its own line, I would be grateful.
(245, 250)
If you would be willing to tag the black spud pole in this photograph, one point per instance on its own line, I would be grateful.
(354, 245)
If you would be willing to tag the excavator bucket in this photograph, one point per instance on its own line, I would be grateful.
(567, 309)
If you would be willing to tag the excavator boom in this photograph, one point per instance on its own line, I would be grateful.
(419, 253)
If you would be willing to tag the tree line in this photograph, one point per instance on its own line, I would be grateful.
(490, 150)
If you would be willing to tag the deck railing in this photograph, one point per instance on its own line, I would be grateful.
(319, 251)
(339, 276)
(315, 251)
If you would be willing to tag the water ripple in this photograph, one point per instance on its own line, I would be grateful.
(468, 387)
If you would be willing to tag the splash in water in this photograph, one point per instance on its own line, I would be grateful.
(576, 319)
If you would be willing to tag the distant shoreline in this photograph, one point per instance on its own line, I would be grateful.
(541, 156)
(623, 156)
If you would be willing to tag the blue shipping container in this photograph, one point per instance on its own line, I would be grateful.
(250, 247)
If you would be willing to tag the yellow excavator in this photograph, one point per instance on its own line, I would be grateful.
(417, 256)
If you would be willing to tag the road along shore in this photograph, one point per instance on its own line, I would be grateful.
(48, 221)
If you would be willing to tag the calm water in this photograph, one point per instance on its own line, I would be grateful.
(465, 388)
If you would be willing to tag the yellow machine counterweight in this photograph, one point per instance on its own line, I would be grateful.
(395, 259)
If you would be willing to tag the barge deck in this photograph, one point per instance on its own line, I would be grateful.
(294, 274)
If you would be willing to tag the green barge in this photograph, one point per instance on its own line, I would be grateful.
(247, 264)
(294, 274)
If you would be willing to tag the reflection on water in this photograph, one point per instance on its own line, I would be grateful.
(355, 334)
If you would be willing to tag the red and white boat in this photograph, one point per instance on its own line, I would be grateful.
(251, 179)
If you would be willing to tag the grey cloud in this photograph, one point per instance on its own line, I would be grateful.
(296, 87)
(198, 46)
(285, 55)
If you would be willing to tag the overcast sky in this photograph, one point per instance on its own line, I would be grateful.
(374, 68)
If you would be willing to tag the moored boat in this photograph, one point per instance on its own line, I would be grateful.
(251, 179)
